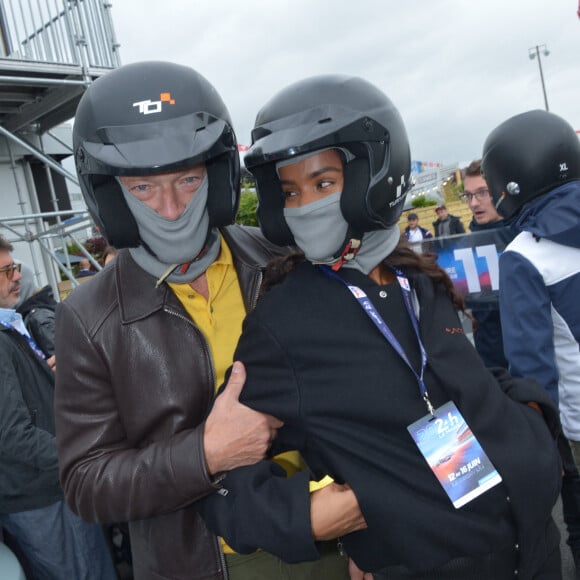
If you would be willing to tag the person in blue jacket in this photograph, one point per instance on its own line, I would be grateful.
(531, 163)
(358, 347)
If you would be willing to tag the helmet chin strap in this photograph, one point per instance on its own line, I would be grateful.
(350, 248)
(348, 253)
(185, 266)
(363, 253)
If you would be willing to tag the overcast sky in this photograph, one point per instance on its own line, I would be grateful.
(454, 68)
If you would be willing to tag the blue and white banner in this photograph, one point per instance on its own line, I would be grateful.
(472, 262)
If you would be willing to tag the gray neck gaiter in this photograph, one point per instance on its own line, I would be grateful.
(375, 247)
(319, 228)
(175, 242)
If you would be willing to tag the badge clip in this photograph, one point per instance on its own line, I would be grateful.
(430, 407)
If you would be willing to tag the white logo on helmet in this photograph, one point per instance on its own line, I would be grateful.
(400, 188)
(150, 107)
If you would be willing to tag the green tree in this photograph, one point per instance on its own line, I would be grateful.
(247, 211)
(422, 201)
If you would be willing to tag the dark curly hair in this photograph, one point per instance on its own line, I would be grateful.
(403, 256)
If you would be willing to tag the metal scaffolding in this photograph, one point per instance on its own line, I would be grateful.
(50, 52)
(65, 32)
(53, 241)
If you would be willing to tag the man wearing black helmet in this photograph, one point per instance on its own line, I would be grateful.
(143, 347)
(357, 346)
(531, 163)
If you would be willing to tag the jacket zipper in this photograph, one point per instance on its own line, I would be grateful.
(217, 543)
(204, 342)
(254, 299)
(257, 286)
(222, 559)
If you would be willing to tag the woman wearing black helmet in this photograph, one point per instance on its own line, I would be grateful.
(358, 349)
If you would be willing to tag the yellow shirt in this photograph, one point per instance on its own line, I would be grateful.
(220, 318)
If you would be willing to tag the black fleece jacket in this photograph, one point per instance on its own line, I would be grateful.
(316, 361)
(28, 462)
(38, 312)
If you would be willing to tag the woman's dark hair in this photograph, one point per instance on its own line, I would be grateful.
(403, 256)
(278, 268)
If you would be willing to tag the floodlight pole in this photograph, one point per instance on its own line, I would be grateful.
(534, 52)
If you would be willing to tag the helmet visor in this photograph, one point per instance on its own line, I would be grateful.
(310, 130)
(157, 146)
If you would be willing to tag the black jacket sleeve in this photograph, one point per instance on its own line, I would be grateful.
(527, 390)
(457, 226)
(259, 507)
(21, 440)
(40, 324)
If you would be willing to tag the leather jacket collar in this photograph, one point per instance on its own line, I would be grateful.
(251, 253)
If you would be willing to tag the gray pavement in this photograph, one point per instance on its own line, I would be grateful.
(568, 570)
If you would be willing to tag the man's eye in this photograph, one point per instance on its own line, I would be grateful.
(140, 187)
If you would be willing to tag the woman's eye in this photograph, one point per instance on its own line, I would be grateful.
(290, 193)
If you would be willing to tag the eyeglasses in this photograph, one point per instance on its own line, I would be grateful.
(9, 270)
(480, 194)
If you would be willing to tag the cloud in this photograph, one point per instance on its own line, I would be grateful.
(454, 68)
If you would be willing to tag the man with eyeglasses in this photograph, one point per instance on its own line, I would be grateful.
(54, 542)
(488, 335)
(10, 289)
(476, 196)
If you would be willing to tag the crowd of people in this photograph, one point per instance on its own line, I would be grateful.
(297, 400)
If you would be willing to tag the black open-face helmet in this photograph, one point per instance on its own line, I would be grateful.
(527, 156)
(149, 118)
(333, 111)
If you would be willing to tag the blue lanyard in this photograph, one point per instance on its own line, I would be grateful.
(31, 343)
(383, 327)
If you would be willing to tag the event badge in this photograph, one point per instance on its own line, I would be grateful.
(454, 454)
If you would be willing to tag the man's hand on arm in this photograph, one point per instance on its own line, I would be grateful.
(234, 434)
(334, 512)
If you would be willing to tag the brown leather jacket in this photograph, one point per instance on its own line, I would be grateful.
(135, 381)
